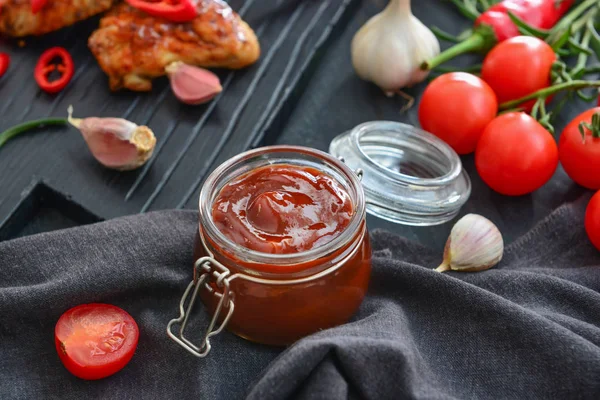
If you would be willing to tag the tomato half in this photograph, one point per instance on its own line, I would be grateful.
(94, 341)
(515, 154)
(456, 107)
(581, 157)
(517, 67)
(592, 220)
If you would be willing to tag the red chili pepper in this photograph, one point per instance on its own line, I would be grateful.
(4, 63)
(494, 25)
(54, 59)
(37, 5)
(539, 14)
(173, 10)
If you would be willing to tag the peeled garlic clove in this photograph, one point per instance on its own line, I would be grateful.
(475, 244)
(115, 142)
(193, 85)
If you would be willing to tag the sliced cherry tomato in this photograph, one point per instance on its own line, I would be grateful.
(456, 107)
(517, 67)
(592, 220)
(580, 153)
(37, 5)
(173, 10)
(515, 154)
(95, 340)
(54, 59)
(4, 63)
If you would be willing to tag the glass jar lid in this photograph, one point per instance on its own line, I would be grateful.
(409, 176)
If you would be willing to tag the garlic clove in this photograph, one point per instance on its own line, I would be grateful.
(192, 85)
(475, 244)
(390, 48)
(115, 142)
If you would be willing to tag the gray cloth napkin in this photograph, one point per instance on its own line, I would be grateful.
(529, 328)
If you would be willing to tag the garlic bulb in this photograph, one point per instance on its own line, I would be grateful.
(390, 48)
(115, 142)
(475, 244)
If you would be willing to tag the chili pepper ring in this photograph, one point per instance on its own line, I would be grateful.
(176, 11)
(47, 64)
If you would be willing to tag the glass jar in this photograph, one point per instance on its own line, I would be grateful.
(277, 299)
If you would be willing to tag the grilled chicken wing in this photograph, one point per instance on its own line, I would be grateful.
(16, 18)
(133, 47)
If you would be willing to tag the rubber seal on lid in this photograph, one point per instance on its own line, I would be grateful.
(410, 176)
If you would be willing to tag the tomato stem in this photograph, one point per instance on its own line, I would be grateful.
(594, 127)
(566, 22)
(482, 39)
(544, 93)
(544, 117)
(24, 127)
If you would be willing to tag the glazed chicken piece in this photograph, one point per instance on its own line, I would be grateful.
(133, 47)
(17, 19)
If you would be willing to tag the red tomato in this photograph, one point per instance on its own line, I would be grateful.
(515, 154)
(95, 340)
(581, 158)
(592, 220)
(456, 107)
(517, 67)
(4, 63)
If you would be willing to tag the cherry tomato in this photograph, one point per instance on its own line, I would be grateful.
(517, 67)
(456, 107)
(581, 157)
(95, 340)
(592, 220)
(4, 63)
(515, 154)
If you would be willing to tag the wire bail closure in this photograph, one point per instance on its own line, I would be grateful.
(205, 269)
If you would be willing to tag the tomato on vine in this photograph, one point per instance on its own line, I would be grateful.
(592, 220)
(517, 67)
(456, 107)
(579, 149)
(515, 154)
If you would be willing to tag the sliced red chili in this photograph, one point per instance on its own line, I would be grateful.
(37, 5)
(54, 59)
(173, 10)
(4, 63)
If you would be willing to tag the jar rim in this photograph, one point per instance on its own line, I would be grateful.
(257, 258)
(454, 169)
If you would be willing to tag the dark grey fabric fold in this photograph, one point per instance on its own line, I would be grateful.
(529, 328)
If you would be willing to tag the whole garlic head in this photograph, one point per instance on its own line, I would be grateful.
(390, 48)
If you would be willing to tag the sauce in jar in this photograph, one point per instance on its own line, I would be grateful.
(282, 209)
(288, 223)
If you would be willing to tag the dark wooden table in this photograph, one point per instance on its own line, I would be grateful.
(48, 180)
